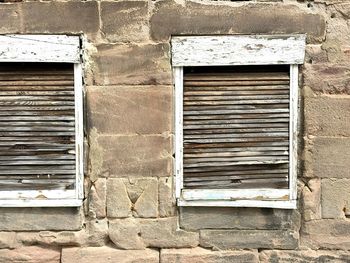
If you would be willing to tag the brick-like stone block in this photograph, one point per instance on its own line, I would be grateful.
(130, 110)
(122, 156)
(328, 157)
(335, 198)
(331, 78)
(147, 64)
(327, 115)
(125, 21)
(118, 202)
(326, 234)
(10, 18)
(167, 202)
(196, 218)
(7, 240)
(61, 17)
(97, 232)
(35, 219)
(30, 255)
(49, 238)
(204, 255)
(311, 200)
(163, 233)
(171, 18)
(303, 256)
(126, 234)
(106, 254)
(97, 199)
(249, 239)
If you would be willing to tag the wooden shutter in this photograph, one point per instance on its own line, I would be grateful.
(37, 127)
(236, 127)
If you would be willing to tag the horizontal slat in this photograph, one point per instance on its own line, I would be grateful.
(235, 173)
(259, 83)
(37, 83)
(236, 154)
(232, 135)
(250, 116)
(38, 98)
(232, 75)
(211, 164)
(225, 98)
(235, 125)
(237, 168)
(236, 102)
(38, 118)
(37, 87)
(36, 93)
(235, 92)
(217, 149)
(234, 131)
(22, 169)
(235, 88)
(36, 103)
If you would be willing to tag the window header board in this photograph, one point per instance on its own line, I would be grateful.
(237, 50)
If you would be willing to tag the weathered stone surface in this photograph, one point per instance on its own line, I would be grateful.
(171, 18)
(315, 54)
(143, 194)
(335, 198)
(30, 255)
(97, 232)
(126, 234)
(163, 233)
(118, 201)
(133, 156)
(311, 200)
(147, 64)
(304, 256)
(327, 116)
(167, 202)
(124, 21)
(10, 18)
(195, 218)
(249, 239)
(108, 255)
(60, 17)
(326, 234)
(35, 219)
(97, 199)
(49, 238)
(198, 254)
(328, 157)
(130, 110)
(7, 240)
(331, 78)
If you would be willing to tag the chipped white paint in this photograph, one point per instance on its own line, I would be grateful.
(39, 48)
(236, 194)
(37, 194)
(41, 203)
(237, 50)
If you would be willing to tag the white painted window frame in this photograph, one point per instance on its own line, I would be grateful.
(49, 49)
(237, 50)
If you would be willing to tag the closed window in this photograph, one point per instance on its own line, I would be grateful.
(41, 128)
(236, 102)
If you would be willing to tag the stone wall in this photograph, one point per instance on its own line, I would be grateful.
(129, 213)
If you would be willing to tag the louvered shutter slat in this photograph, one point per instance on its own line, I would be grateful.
(236, 130)
(37, 127)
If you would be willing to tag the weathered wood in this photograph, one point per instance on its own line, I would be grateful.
(237, 50)
(39, 48)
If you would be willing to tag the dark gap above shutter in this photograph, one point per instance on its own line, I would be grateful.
(37, 126)
(236, 127)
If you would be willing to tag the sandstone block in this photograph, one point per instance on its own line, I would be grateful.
(326, 234)
(335, 198)
(167, 202)
(196, 218)
(163, 233)
(147, 64)
(35, 219)
(49, 238)
(60, 17)
(118, 202)
(7, 240)
(97, 232)
(304, 256)
(10, 18)
(30, 255)
(108, 255)
(143, 193)
(311, 200)
(204, 255)
(327, 116)
(328, 157)
(172, 18)
(122, 156)
(130, 110)
(126, 234)
(97, 199)
(330, 78)
(125, 21)
(249, 239)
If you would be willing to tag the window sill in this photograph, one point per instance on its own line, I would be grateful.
(41, 203)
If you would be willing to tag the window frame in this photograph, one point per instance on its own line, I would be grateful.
(49, 49)
(237, 50)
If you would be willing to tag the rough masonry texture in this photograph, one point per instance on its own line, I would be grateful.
(129, 212)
